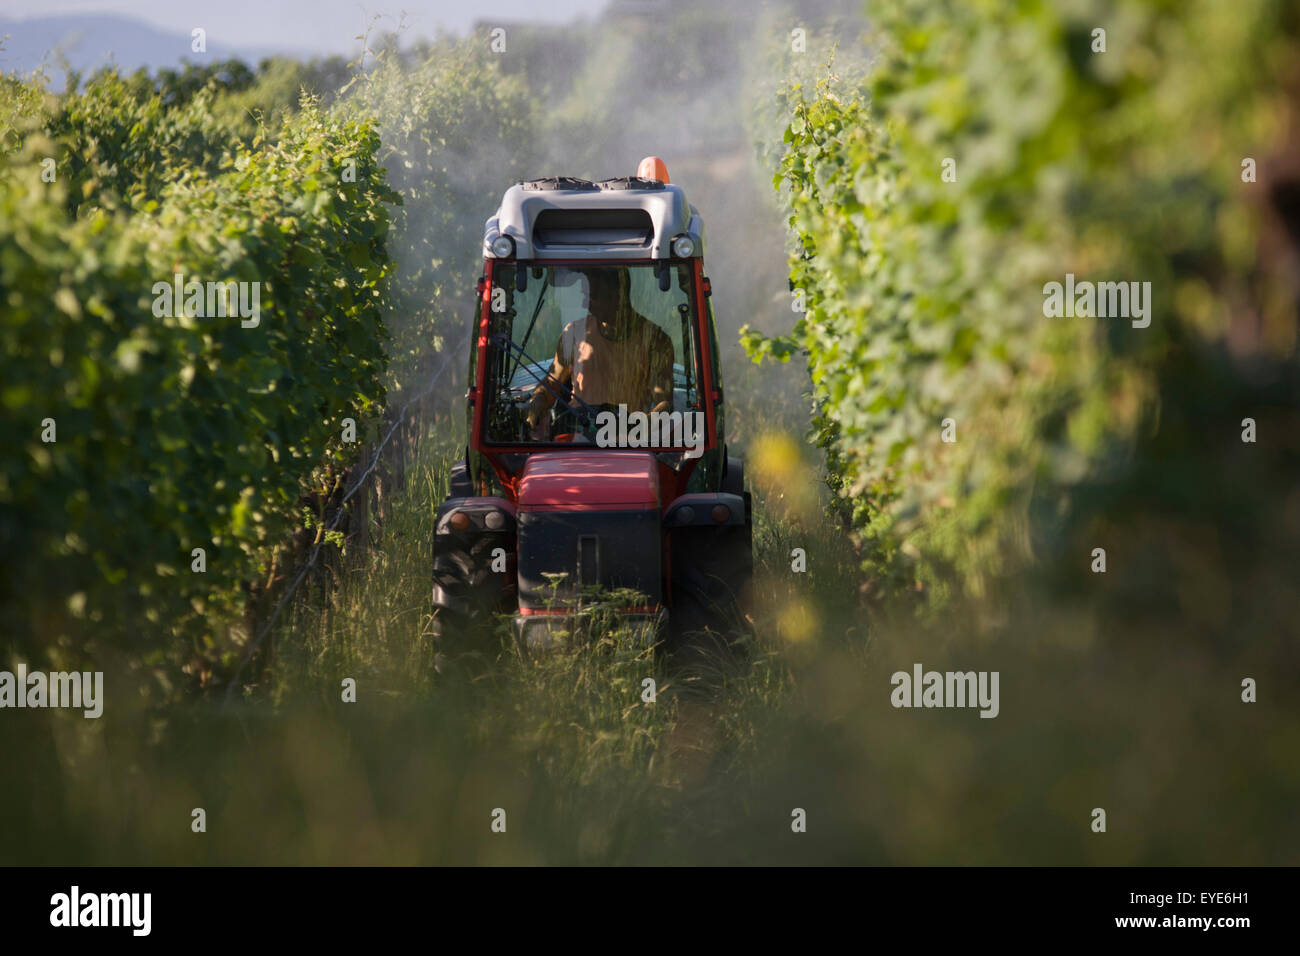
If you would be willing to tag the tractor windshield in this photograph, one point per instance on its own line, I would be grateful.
(580, 348)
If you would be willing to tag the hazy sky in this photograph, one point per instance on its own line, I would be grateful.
(325, 25)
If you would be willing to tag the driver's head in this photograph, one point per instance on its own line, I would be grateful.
(605, 300)
(603, 291)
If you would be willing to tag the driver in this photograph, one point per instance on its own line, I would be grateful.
(612, 356)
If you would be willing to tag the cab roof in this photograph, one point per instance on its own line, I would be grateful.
(565, 218)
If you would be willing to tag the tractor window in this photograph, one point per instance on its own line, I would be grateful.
(578, 340)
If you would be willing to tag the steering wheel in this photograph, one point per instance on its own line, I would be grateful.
(547, 428)
(568, 427)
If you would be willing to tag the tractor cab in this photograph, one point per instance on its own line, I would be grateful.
(596, 450)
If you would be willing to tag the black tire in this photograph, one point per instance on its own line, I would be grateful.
(709, 625)
(459, 482)
(733, 479)
(467, 596)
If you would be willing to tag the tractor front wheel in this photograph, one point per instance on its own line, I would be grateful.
(473, 577)
(463, 614)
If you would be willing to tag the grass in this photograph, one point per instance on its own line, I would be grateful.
(1094, 713)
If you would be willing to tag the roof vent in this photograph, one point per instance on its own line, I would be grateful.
(552, 183)
(630, 182)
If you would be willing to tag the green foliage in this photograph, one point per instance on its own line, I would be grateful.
(24, 106)
(177, 433)
(124, 138)
(118, 147)
(925, 297)
(277, 89)
(174, 433)
(455, 133)
(177, 87)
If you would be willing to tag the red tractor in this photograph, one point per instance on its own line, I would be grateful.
(596, 458)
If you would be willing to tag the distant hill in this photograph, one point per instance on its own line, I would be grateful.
(87, 42)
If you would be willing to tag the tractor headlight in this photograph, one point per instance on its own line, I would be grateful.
(503, 247)
(683, 247)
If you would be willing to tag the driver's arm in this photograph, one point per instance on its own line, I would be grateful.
(661, 373)
(560, 372)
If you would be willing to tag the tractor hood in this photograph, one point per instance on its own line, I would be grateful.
(589, 481)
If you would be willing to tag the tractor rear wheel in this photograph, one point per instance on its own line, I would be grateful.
(709, 626)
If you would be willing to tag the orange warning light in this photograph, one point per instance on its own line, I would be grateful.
(652, 167)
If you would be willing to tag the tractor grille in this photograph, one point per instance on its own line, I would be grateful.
(564, 554)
